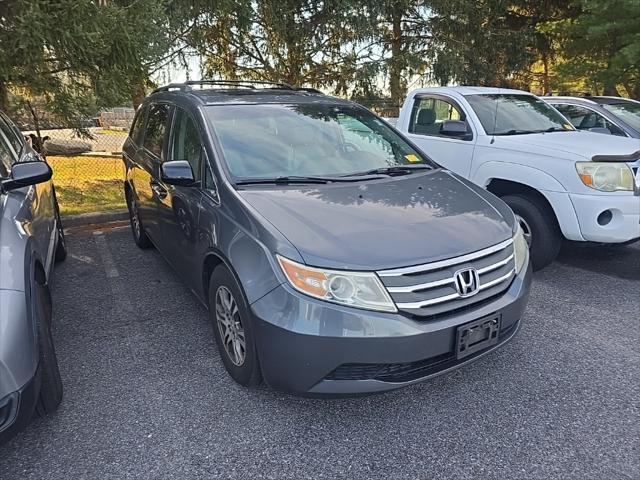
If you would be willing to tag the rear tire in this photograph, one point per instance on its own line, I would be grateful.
(232, 324)
(139, 234)
(51, 390)
(545, 236)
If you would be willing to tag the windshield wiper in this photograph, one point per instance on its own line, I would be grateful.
(516, 132)
(556, 129)
(286, 180)
(395, 170)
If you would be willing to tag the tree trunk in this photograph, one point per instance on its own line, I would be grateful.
(546, 85)
(138, 95)
(4, 96)
(610, 90)
(395, 71)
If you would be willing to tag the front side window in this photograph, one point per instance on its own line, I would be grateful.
(138, 124)
(515, 114)
(12, 134)
(276, 140)
(186, 143)
(156, 127)
(585, 119)
(629, 112)
(429, 114)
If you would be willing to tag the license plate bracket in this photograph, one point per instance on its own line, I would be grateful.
(477, 335)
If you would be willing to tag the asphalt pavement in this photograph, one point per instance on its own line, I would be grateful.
(147, 397)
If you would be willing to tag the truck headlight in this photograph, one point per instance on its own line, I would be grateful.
(356, 289)
(520, 249)
(606, 176)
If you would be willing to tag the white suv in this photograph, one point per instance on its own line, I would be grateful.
(560, 182)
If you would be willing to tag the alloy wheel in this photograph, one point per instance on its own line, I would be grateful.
(230, 326)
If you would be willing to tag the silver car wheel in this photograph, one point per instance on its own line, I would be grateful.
(230, 326)
(526, 229)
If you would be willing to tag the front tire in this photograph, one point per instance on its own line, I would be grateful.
(51, 390)
(137, 229)
(540, 227)
(232, 328)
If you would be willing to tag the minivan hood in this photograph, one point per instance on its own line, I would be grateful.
(583, 144)
(388, 223)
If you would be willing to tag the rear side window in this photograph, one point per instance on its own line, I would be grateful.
(138, 125)
(156, 128)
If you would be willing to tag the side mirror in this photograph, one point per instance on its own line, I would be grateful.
(601, 130)
(454, 128)
(177, 173)
(24, 174)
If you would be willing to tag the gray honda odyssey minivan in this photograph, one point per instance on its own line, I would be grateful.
(334, 257)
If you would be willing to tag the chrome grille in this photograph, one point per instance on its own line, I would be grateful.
(430, 289)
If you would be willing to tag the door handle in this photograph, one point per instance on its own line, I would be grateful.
(158, 189)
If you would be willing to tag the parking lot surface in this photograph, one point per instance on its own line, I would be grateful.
(146, 395)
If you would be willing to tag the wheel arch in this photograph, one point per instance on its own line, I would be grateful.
(255, 275)
(501, 187)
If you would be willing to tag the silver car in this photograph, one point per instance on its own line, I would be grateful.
(31, 241)
(609, 115)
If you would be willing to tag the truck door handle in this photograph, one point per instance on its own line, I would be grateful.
(158, 189)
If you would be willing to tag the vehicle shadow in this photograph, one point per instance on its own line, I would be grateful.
(622, 261)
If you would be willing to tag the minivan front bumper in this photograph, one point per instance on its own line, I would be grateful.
(311, 347)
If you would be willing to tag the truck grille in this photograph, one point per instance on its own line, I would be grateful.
(430, 289)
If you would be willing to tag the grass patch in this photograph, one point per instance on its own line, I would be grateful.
(113, 131)
(88, 184)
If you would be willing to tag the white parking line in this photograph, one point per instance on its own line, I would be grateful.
(103, 249)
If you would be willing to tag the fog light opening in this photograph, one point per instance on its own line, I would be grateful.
(605, 218)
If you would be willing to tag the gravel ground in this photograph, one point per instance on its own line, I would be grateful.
(147, 397)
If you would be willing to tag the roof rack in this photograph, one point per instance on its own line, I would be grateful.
(249, 84)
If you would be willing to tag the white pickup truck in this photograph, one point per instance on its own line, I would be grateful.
(560, 182)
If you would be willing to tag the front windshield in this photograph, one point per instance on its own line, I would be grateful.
(513, 114)
(629, 112)
(275, 140)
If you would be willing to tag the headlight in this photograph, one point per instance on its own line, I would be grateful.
(520, 249)
(356, 289)
(606, 176)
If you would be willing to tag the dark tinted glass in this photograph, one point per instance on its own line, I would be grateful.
(186, 143)
(273, 140)
(156, 127)
(138, 125)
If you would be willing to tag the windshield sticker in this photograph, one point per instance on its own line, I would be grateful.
(412, 158)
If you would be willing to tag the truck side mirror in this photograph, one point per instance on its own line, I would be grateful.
(24, 174)
(454, 128)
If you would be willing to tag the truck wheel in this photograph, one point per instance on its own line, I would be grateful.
(539, 226)
(50, 394)
(139, 234)
(232, 328)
